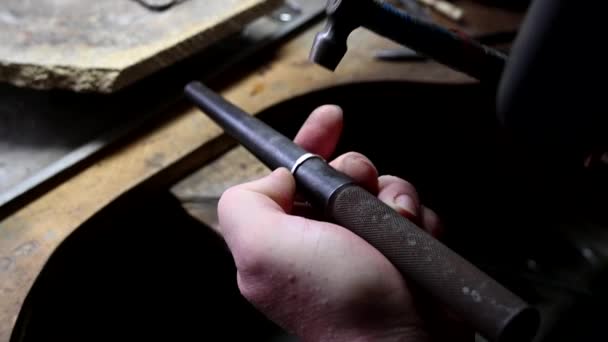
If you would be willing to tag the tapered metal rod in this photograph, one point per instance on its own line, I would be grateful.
(271, 148)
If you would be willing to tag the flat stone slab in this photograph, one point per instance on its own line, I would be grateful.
(105, 45)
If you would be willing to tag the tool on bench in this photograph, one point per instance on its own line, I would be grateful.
(450, 48)
(445, 8)
(414, 8)
(485, 304)
(406, 54)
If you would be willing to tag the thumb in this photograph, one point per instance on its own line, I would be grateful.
(279, 187)
(248, 204)
(249, 213)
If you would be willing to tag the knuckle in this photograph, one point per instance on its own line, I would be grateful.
(258, 281)
(228, 196)
(227, 201)
(432, 222)
(357, 162)
(250, 255)
(355, 156)
(360, 168)
(396, 183)
(256, 291)
(249, 250)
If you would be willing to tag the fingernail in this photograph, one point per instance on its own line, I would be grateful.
(406, 203)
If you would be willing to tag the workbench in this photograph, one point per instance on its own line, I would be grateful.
(183, 140)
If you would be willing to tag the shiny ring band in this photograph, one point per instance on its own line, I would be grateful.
(303, 158)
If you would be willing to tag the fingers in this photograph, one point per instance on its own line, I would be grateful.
(321, 131)
(359, 168)
(394, 191)
(431, 222)
(399, 195)
(279, 187)
(320, 134)
(245, 205)
(403, 198)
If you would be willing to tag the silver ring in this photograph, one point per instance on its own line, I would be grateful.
(303, 158)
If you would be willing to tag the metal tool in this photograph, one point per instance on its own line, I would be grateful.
(406, 54)
(445, 8)
(490, 308)
(450, 48)
(414, 8)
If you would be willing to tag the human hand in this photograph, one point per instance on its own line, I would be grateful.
(316, 279)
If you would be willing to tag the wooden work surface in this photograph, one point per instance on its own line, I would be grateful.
(103, 46)
(185, 141)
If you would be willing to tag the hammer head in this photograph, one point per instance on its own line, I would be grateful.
(330, 44)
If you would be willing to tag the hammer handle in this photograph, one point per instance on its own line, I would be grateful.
(454, 49)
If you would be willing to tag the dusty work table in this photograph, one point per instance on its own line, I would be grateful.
(184, 140)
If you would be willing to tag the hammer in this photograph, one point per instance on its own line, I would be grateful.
(450, 48)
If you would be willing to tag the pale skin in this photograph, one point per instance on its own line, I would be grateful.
(316, 279)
